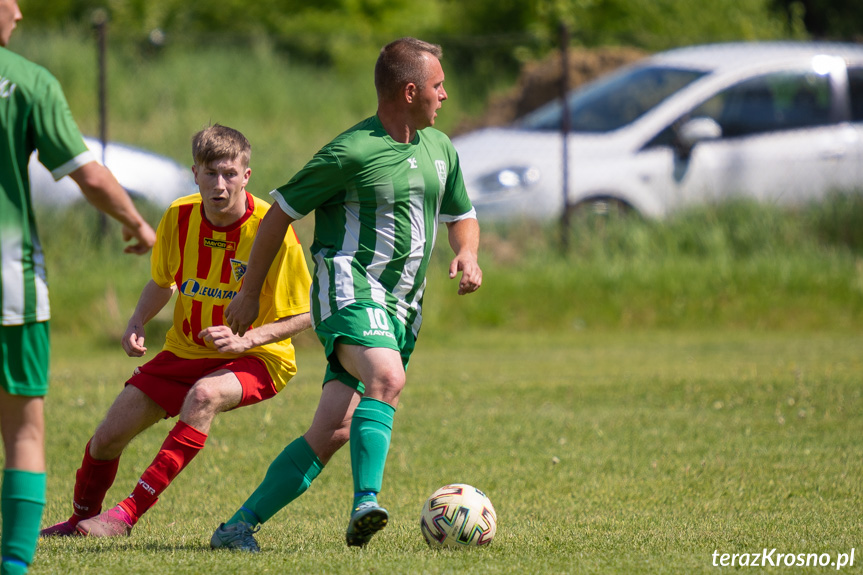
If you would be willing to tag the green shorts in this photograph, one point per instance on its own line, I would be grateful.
(25, 353)
(367, 324)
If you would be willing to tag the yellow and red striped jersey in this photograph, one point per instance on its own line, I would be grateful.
(207, 264)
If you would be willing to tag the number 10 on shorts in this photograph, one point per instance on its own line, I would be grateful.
(378, 319)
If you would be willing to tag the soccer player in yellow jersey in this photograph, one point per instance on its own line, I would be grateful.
(202, 247)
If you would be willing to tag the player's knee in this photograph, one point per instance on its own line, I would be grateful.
(202, 397)
(390, 382)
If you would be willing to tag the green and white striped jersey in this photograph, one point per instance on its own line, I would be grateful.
(377, 207)
(34, 115)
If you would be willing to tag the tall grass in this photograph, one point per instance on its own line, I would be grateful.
(734, 264)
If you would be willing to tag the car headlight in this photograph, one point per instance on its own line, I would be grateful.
(508, 179)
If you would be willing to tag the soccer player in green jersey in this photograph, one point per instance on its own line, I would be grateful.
(379, 191)
(34, 115)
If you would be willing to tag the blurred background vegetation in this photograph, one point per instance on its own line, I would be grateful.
(292, 74)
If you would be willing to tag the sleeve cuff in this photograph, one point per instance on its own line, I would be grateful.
(81, 159)
(448, 219)
(285, 207)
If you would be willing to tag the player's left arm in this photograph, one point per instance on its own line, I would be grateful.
(464, 239)
(226, 341)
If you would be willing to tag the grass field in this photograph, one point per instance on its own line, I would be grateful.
(661, 393)
(669, 445)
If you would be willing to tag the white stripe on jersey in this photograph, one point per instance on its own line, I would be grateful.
(11, 254)
(43, 307)
(409, 273)
(385, 240)
(323, 284)
(13, 276)
(343, 263)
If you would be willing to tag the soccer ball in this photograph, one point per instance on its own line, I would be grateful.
(458, 515)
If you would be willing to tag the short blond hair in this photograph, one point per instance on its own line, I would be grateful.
(218, 142)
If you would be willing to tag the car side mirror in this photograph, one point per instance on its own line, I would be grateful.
(696, 130)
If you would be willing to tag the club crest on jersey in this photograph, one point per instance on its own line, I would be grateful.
(220, 244)
(7, 88)
(440, 165)
(413, 163)
(239, 269)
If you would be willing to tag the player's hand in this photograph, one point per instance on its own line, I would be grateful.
(145, 239)
(471, 274)
(133, 340)
(241, 313)
(224, 340)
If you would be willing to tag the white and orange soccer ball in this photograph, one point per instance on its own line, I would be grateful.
(458, 515)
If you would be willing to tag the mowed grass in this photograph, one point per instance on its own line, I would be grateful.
(614, 452)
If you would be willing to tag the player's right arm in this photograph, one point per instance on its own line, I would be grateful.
(244, 308)
(153, 298)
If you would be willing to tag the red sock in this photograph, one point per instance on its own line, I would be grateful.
(182, 444)
(92, 482)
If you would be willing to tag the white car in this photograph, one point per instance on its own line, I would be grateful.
(781, 122)
(145, 175)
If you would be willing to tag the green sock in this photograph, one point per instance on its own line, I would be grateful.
(289, 475)
(371, 429)
(23, 498)
(13, 568)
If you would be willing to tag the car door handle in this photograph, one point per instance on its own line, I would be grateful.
(833, 154)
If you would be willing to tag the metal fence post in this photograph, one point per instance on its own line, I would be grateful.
(564, 133)
(100, 23)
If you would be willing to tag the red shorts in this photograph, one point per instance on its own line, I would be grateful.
(166, 379)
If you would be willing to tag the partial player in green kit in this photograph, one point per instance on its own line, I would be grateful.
(34, 115)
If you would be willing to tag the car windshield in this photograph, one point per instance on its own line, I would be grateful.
(613, 102)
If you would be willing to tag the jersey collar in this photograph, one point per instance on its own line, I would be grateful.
(250, 209)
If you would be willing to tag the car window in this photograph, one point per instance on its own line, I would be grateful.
(780, 101)
(614, 101)
(855, 82)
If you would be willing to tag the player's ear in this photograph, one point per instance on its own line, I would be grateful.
(410, 92)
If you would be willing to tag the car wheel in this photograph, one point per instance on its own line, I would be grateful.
(601, 208)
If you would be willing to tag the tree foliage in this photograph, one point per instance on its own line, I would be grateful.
(479, 32)
(826, 19)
